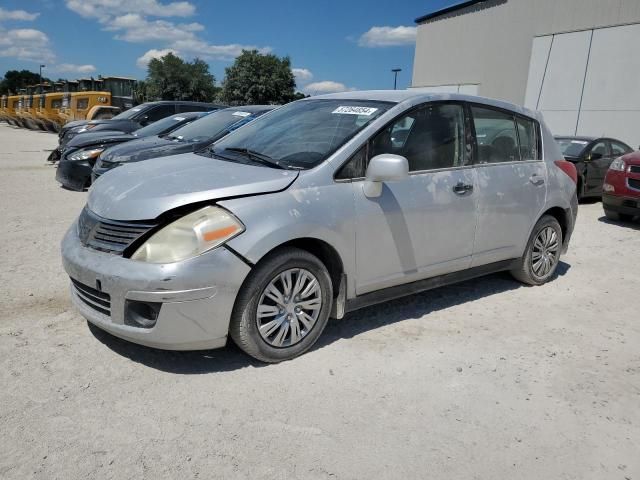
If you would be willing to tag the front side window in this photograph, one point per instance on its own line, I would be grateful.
(429, 137)
(599, 150)
(529, 136)
(496, 135)
(302, 134)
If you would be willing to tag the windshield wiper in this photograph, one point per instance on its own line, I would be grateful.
(257, 157)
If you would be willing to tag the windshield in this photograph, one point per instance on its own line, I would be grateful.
(210, 126)
(303, 134)
(571, 147)
(161, 126)
(127, 114)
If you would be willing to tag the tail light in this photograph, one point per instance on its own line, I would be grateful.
(568, 168)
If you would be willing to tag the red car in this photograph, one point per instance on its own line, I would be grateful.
(621, 189)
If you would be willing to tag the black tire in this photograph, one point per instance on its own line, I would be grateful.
(525, 269)
(617, 217)
(244, 322)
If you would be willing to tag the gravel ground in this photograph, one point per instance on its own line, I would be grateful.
(483, 380)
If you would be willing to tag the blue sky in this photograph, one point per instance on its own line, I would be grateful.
(333, 44)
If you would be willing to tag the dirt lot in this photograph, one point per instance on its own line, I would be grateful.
(483, 380)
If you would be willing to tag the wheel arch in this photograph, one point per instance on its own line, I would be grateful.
(562, 216)
(325, 252)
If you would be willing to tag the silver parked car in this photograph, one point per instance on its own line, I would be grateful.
(320, 207)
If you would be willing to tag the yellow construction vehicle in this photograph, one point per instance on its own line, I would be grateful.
(98, 99)
(47, 112)
(10, 111)
(23, 95)
(3, 108)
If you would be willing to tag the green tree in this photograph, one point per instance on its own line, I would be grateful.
(14, 80)
(255, 78)
(172, 78)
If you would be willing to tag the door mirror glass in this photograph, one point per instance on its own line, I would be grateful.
(384, 168)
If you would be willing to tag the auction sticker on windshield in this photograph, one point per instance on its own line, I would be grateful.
(354, 110)
(241, 114)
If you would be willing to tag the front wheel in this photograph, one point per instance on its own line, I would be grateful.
(283, 307)
(542, 255)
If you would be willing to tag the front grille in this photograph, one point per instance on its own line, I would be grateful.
(95, 299)
(634, 168)
(111, 236)
(633, 183)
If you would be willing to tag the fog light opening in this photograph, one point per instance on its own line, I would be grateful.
(141, 314)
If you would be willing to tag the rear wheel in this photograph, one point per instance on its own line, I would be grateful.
(542, 255)
(617, 217)
(283, 307)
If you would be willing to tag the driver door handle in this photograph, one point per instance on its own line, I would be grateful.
(462, 188)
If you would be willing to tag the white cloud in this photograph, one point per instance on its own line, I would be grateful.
(326, 86)
(105, 9)
(72, 68)
(144, 60)
(26, 44)
(302, 75)
(17, 15)
(208, 51)
(136, 28)
(388, 37)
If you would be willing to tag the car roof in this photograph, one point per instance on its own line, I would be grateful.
(421, 95)
(181, 102)
(252, 108)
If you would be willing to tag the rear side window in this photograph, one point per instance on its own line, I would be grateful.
(193, 108)
(496, 135)
(618, 149)
(529, 137)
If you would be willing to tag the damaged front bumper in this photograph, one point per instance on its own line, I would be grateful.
(181, 306)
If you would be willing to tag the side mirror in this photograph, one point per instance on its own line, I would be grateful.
(384, 168)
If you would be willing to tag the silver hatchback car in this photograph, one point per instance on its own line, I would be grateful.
(320, 207)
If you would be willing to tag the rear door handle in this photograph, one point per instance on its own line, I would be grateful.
(536, 179)
(462, 188)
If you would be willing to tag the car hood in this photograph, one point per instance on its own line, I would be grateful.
(147, 147)
(142, 191)
(98, 138)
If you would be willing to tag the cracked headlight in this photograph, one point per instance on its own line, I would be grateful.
(190, 236)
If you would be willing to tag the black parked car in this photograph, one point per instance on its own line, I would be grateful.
(592, 157)
(189, 138)
(80, 153)
(129, 120)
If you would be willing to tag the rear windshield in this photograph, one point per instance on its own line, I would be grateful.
(303, 134)
(210, 126)
(162, 126)
(571, 147)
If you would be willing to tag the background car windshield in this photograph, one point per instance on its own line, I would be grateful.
(161, 126)
(571, 147)
(303, 134)
(209, 126)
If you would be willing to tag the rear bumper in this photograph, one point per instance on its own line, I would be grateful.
(621, 204)
(74, 175)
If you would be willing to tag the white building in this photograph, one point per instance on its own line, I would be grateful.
(577, 61)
